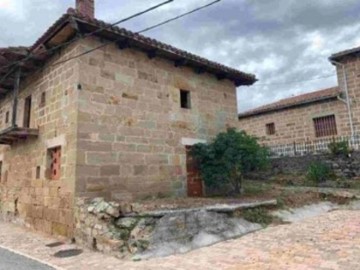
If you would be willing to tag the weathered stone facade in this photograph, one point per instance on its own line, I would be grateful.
(117, 117)
(32, 199)
(352, 70)
(296, 124)
(132, 130)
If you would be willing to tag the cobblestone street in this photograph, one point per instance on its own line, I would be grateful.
(330, 241)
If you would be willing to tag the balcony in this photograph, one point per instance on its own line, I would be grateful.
(12, 135)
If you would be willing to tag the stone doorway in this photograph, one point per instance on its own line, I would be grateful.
(194, 181)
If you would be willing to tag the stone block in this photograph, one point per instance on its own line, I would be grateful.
(99, 158)
(110, 170)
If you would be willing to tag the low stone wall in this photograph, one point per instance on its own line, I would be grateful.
(130, 231)
(343, 166)
(103, 226)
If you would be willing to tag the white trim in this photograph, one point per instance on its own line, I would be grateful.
(55, 142)
(191, 141)
(1, 157)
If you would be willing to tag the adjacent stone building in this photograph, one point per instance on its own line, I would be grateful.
(110, 114)
(314, 116)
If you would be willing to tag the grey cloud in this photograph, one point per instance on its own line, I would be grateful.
(278, 40)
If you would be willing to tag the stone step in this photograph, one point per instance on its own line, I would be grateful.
(219, 208)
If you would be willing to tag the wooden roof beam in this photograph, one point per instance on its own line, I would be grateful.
(152, 54)
(221, 76)
(180, 62)
(123, 44)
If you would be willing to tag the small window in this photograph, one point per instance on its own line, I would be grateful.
(270, 129)
(185, 100)
(1, 165)
(42, 99)
(54, 163)
(7, 116)
(38, 171)
(325, 126)
(27, 112)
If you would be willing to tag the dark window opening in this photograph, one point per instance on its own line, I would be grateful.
(7, 116)
(185, 101)
(270, 129)
(325, 126)
(38, 171)
(42, 99)
(27, 112)
(54, 163)
(1, 165)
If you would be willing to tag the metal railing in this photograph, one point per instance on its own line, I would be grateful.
(318, 146)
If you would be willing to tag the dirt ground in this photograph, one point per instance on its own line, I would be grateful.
(253, 191)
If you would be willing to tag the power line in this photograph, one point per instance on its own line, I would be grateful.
(178, 17)
(89, 34)
(141, 31)
(294, 82)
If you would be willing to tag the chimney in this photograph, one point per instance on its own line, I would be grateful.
(86, 8)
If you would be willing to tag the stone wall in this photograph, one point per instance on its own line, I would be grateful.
(132, 129)
(129, 231)
(31, 199)
(343, 166)
(103, 226)
(352, 68)
(296, 124)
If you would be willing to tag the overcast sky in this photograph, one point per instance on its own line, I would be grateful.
(280, 41)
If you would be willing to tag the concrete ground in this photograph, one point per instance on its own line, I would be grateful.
(13, 261)
(329, 241)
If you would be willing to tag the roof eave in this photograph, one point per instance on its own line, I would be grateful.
(251, 114)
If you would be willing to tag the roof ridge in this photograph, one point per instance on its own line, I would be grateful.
(163, 45)
(301, 99)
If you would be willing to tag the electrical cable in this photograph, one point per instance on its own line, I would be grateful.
(141, 31)
(89, 34)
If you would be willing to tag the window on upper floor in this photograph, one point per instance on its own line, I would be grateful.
(27, 112)
(325, 126)
(7, 117)
(42, 99)
(38, 171)
(185, 99)
(1, 165)
(270, 129)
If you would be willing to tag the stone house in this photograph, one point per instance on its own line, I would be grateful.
(117, 122)
(314, 116)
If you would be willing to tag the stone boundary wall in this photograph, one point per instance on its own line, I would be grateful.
(343, 166)
(132, 231)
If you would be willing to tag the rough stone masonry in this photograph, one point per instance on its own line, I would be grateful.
(110, 124)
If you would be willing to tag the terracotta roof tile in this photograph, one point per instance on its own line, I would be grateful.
(294, 101)
(233, 74)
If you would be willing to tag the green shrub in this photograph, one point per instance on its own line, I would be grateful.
(257, 215)
(228, 158)
(339, 148)
(318, 172)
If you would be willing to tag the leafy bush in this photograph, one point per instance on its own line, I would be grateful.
(318, 172)
(231, 155)
(257, 215)
(339, 148)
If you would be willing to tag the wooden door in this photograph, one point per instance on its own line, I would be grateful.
(194, 181)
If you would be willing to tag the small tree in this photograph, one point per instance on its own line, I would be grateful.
(228, 158)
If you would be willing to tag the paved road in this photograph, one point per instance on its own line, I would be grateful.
(327, 242)
(12, 261)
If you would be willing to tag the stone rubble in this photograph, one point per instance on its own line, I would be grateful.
(115, 229)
